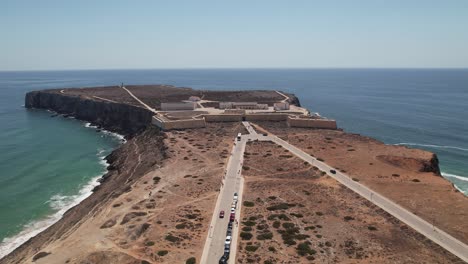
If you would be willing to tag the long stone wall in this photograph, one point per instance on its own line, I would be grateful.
(178, 124)
(292, 121)
(223, 118)
(266, 117)
(312, 123)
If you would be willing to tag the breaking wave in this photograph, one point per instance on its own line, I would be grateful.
(60, 204)
(461, 178)
(455, 176)
(431, 146)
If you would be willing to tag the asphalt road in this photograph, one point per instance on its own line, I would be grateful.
(232, 183)
(249, 128)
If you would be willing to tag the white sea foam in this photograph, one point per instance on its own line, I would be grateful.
(432, 146)
(90, 125)
(455, 176)
(113, 134)
(465, 192)
(118, 136)
(60, 204)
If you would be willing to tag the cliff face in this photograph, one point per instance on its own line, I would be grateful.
(431, 165)
(121, 118)
(294, 100)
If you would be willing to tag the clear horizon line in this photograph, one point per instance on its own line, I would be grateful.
(244, 68)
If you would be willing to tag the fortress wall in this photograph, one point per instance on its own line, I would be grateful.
(223, 118)
(266, 117)
(312, 123)
(178, 124)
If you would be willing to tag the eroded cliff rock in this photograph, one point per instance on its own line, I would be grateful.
(121, 118)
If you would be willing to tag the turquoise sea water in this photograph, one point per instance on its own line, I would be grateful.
(48, 164)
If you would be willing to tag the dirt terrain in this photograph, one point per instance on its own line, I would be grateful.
(154, 95)
(410, 177)
(104, 93)
(293, 214)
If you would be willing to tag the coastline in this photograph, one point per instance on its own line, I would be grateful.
(60, 204)
(444, 174)
(79, 213)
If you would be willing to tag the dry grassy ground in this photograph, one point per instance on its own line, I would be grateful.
(154, 95)
(294, 214)
(112, 93)
(402, 174)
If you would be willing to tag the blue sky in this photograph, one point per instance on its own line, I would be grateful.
(42, 35)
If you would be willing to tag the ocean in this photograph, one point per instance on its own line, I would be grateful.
(49, 163)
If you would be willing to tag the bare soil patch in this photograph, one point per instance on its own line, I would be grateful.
(410, 177)
(300, 216)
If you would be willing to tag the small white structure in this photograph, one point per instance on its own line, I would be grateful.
(281, 106)
(178, 106)
(194, 98)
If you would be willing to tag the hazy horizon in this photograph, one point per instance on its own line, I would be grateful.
(119, 35)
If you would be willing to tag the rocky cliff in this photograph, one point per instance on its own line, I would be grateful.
(117, 117)
(293, 99)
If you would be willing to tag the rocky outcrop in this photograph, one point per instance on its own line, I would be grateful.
(413, 164)
(431, 165)
(117, 117)
(293, 99)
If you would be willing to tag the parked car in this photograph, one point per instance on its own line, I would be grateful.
(333, 171)
(232, 217)
(235, 197)
(230, 225)
(228, 240)
(224, 259)
(234, 204)
(229, 232)
(233, 210)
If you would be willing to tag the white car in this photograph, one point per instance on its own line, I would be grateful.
(228, 240)
(235, 197)
(233, 210)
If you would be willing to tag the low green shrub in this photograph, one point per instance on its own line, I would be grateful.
(251, 248)
(265, 236)
(191, 260)
(248, 204)
(162, 252)
(246, 235)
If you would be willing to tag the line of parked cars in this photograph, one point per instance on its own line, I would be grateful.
(232, 217)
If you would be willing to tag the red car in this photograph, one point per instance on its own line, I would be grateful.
(221, 214)
(232, 217)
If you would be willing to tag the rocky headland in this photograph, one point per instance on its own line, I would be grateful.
(156, 200)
